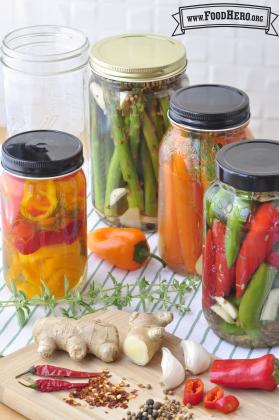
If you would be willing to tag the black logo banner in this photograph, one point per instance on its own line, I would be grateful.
(225, 15)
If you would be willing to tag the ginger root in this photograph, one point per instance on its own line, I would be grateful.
(145, 335)
(77, 337)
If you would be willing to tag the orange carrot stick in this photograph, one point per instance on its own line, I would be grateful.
(188, 205)
(169, 245)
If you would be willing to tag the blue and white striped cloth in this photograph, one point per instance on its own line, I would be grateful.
(190, 326)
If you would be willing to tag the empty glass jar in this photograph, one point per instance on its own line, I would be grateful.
(241, 252)
(46, 80)
(43, 208)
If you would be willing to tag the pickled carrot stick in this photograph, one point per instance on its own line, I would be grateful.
(168, 233)
(187, 208)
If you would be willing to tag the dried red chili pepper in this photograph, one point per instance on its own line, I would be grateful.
(193, 391)
(227, 404)
(212, 396)
(52, 385)
(259, 373)
(50, 370)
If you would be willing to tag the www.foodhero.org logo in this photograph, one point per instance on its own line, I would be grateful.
(226, 15)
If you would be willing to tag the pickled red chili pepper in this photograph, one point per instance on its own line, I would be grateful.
(259, 373)
(209, 271)
(263, 232)
(52, 385)
(50, 370)
(224, 274)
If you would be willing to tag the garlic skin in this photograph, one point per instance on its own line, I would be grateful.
(173, 373)
(197, 359)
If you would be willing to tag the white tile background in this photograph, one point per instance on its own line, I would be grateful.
(246, 58)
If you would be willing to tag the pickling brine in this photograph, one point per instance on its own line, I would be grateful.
(241, 245)
(43, 218)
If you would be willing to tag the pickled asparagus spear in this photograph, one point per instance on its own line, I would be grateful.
(150, 184)
(152, 142)
(128, 170)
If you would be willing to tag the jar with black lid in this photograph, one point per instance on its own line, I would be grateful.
(241, 245)
(203, 118)
(43, 203)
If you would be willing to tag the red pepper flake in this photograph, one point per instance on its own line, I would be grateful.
(100, 392)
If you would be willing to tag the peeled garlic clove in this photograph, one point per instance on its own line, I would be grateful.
(197, 359)
(131, 218)
(198, 266)
(172, 370)
(116, 195)
(98, 95)
(227, 306)
(222, 313)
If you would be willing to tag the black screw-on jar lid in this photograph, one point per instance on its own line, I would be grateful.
(210, 107)
(42, 154)
(250, 165)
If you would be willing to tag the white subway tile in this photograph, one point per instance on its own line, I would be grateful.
(197, 73)
(139, 19)
(197, 47)
(270, 129)
(250, 52)
(221, 50)
(251, 78)
(83, 16)
(270, 105)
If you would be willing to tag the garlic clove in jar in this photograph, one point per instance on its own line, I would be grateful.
(197, 359)
(173, 373)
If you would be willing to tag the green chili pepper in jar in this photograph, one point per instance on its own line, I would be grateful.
(255, 296)
(235, 223)
(221, 206)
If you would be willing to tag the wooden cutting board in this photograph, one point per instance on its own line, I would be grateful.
(39, 406)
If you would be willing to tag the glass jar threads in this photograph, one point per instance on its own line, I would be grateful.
(203, 119)
(132, 79)
(43, 204)
(241, 236)
(45, 70)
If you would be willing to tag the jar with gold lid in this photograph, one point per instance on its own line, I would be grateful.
(132, 79)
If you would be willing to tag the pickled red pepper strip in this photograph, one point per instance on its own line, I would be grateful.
(257, 244)
(224, 274)
(52, 385)
(189, 218)
(259, 373)
(209, 271)
(50, 370)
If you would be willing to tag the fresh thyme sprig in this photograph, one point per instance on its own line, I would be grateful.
(97, 297)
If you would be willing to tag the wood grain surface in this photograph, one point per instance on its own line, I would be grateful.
(35, 405)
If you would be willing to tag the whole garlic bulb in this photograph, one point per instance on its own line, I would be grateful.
(197, 359)
(172, 370)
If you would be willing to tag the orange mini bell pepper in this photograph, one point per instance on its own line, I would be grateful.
(126, 248)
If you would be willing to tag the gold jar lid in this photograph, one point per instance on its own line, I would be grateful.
(138, 57)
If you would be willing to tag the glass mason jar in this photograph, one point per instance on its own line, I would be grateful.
(132, 79)
(43, 201)
(241, 237)
(46, 81)
(203, 119)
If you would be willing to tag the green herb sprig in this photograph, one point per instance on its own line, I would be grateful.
(97, 297)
